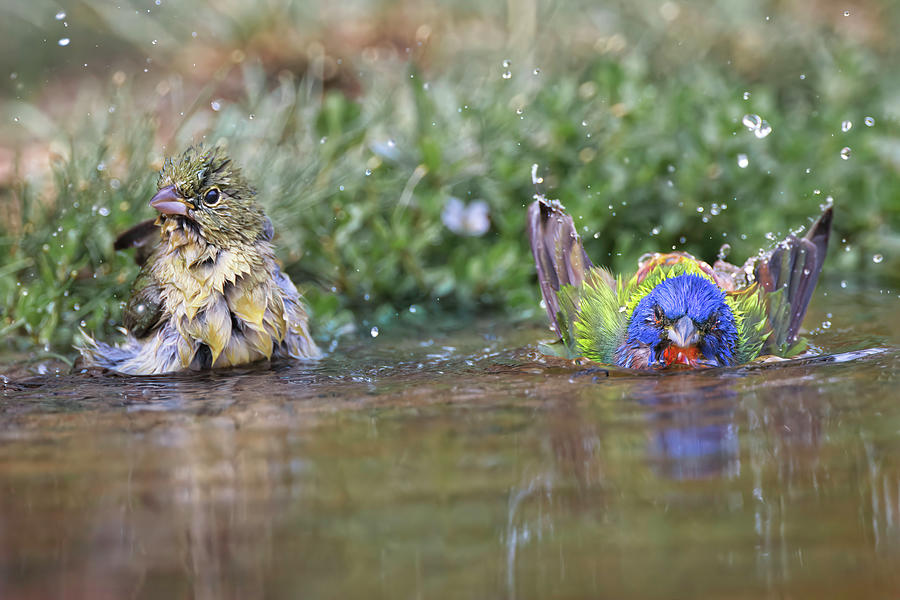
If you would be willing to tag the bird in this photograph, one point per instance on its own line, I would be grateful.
(676, 311)
(210, 292)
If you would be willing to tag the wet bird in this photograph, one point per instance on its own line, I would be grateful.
(676, 309)
(210, 292)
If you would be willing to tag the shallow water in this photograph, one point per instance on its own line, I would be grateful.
(461, 464)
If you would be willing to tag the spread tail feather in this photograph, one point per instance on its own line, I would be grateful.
(789, 273)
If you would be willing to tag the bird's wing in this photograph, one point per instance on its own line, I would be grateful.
(559, 256)
(789, 273)
(145, 310)
(144, 236)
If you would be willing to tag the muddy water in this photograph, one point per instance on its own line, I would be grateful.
(459, 464)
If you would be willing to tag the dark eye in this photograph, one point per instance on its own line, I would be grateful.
(211, 197)
(658, 315)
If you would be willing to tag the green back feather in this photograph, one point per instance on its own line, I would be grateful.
(749, 311)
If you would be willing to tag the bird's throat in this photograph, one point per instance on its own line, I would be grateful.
(676, 355)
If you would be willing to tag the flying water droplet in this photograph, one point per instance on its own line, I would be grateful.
(826, 324)
(869, 121)
(507, 75)
(743, 161)
(368, 172)
(506, 63)
(751, 122)
(846, 125)
(845, 153)
(216, 105)
(746, 95)
(846, 13)
(64, 42)
(537, 71)
(763, 130)
(844, 284)
(724, 251)
(877, 258)
(60, 15)
(374, 332)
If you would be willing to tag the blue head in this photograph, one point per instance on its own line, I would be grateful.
(686, 320)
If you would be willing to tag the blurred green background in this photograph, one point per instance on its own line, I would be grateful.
(375, 130)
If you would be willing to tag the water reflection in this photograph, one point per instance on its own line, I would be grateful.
(488, 472)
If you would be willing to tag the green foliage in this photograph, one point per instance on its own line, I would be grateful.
(635, 132)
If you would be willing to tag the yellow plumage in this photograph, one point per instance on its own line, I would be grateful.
(211, 293)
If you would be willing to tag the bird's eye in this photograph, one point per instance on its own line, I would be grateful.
(211, 197)
(659, 316)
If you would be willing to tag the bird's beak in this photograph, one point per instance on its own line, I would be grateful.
(683, 349)
(168, 202)
(684, 333)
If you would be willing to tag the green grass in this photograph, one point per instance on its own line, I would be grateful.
(635, 134)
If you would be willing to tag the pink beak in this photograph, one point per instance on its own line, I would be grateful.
(168, 202)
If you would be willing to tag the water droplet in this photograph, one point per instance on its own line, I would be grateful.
(743, 161)
(826, 324)
(83, 323)
(368, 172)
(877, 258)
(746, 95)
(699, 209)
(374, 332)
(843, 283)
(846, 13)
(520, 110)
(216, 105)
(64, 42)
(622, 309)
(751, 122)
(104, 212)
(869, 121)
(845, 152)
(537, 71)
(763, 130)
(846, 125)
(251, 116)
(155, 42)
(61, 15)
(323, 139)
(426, 86)
(507, 75)
(802, 76)
(654, 231)
(506, 63)
(724, 251)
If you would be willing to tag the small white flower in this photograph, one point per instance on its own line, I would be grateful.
(472, 219)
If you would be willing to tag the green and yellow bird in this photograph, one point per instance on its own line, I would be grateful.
(210, 292)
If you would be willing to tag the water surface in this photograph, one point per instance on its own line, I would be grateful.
(461, 464)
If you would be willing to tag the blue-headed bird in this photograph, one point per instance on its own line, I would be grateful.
(676, 309)
(210, 292)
